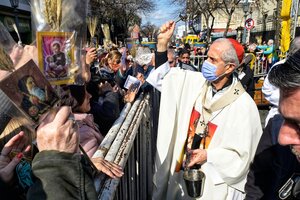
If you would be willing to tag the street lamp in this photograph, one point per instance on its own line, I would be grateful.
(184, 17)
(246, 6)
(15, 4)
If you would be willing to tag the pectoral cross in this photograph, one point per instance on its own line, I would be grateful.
(205, 131)
(202, 123)
(236, 91)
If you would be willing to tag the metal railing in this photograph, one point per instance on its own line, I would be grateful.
(260, 65)
(197, 61)
(131, 143)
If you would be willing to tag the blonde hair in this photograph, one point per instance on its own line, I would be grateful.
(113, 55)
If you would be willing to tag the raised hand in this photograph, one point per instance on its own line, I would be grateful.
(58, 131)
(131, 93)
(105, 87)
(166, 32)
(18, 143)
(91, 56)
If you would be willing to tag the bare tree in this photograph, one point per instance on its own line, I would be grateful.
(207, 9)
(127, 11)
(193, 13)
(148, 30)
(228, 6)
(200, 8)
(123, 13)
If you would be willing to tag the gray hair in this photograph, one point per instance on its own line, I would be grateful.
(228, 55)
(172, 52)
(271, 41)
(287, 75)
(295, 46)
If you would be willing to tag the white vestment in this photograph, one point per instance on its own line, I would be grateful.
(271, 94)
(230, 151)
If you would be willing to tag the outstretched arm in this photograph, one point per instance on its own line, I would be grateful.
(269, 50)
(156, 76)
(166, 32)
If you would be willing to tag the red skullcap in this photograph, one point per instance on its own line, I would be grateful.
(239, 49)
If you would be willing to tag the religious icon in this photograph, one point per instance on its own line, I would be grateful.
(56, 62)
(29, 91)
(56, 56)
(132, 83)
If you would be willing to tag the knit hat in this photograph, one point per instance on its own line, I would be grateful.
(239, 49)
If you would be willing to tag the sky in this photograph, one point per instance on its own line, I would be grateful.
(163, 12)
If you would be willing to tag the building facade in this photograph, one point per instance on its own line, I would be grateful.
(22, 14)
(265, 14)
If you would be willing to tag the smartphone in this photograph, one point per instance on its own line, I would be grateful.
(94, 42)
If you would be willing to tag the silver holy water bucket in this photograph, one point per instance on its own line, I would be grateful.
(194, 181)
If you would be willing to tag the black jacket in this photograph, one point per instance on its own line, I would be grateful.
(272, 166)
(107, 111)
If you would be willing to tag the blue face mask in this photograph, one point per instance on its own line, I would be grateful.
(209, 71)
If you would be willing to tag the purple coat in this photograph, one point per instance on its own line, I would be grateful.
(90, 136)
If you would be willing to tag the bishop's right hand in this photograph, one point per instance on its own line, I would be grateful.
(166, 32)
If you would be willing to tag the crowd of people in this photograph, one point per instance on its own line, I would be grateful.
(55, 160)
(208, 121)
